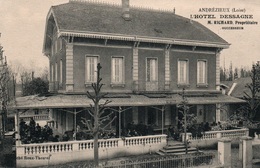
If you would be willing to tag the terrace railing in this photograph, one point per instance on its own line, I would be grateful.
(211, 137)
(40, 117)
(143, 140)
(40, 154)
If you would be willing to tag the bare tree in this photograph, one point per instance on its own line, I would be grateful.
(97, 112)
(252, 98)
(44, 74)
(187, 119)
(4, 79)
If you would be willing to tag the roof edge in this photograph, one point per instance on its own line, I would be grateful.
(231, 89)
(114, 36)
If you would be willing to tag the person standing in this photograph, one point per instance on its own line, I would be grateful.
(32, 125)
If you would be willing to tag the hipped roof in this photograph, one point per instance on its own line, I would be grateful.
(89, 17)
(81, 101)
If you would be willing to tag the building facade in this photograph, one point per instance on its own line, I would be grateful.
(147, 56)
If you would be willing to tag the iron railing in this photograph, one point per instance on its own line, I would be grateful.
(147, 161)
(181, 161)
(170, 161)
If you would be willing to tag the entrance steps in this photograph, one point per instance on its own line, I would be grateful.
(177, 149)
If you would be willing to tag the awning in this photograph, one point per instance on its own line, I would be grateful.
(82, 101)
(214, 99)
(77, 101)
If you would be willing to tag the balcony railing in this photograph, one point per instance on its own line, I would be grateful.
(35, 117)
(39, 117)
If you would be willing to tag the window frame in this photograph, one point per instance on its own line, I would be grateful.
(88, 83)
(146, 68)
(54, 41)
(187, 72)
(56, 72)
(206, 73)
(52, 73)
(114, 83)
(61, 69)
(59, 41)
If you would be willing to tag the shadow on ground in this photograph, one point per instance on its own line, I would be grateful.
(7, 157)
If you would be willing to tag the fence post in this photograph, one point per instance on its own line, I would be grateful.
(240, 154)
(224, 152)
(240, 150)
(247, 132)
(247, 152)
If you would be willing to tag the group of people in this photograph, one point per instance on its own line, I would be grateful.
(139, 129)
(81, 135)
(173, 132)
(197, 130)
(34, 133)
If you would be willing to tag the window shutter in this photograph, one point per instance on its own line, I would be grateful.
(201, 72)
(91, 69)
(182, 71)
(120, 67)
(117, 70)
(94, 69)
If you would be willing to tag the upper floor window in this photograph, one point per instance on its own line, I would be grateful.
(61, 71)
(202, 72)
(59, 44)
(183, 75)
(117, 70)
(54, 41)
(56, 71)
(91, 69)
(52, 73)
(151, 70)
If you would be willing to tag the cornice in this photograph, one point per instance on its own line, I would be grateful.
(113, 36)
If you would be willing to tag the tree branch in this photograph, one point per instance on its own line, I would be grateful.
(109, 123)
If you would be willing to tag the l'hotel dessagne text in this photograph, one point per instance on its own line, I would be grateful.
(227, 18)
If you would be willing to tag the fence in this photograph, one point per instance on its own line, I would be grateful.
(178, 161)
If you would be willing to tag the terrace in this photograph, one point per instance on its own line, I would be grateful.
(30, 155)
(51, 153)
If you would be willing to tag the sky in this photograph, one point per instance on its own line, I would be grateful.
(22, 26)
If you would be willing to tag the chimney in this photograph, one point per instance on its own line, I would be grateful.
(32, 75)
(126, 13)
